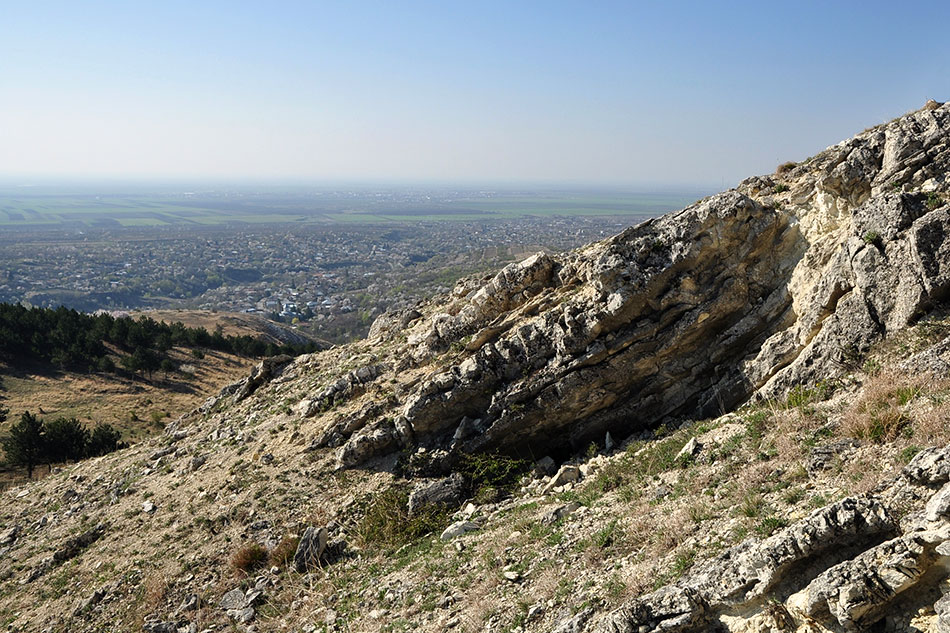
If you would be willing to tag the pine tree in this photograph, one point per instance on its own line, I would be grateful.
(66, 439)
(24, 444)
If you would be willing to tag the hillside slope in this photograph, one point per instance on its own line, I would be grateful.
(816, 297)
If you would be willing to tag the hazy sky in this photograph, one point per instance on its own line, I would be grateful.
(483, 92)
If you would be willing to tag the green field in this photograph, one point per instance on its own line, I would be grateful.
(35, 208)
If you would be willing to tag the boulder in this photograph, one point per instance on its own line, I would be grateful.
(312, 544)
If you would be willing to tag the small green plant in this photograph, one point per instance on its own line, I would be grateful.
(793, 495)
(769, 525)
(683, 562)
(800, 397)
(909, 453)
(752, 505)
(934, 201)
(872, 238)
(871, 367)
(779, 188)
(607, 536)
(493, 470)
(386, 520)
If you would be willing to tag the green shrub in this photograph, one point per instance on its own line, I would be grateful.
(386, 521)
(495, 471)
(872, 238)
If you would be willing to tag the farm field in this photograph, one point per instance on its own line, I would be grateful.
(32, 208)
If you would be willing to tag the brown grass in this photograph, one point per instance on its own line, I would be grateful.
(248, 558)
(155, 591)
(284, 551)
(786, 167)
(882, 412)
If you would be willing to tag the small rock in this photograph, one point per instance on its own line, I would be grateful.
(148, 507)
(559, 513)
(544, 466)
(252, 597)
(377, 614)
(160, 627)
(311, 548)
(89, 602)
(447, 493)
(511, 576)
(609, 442)
(190, 603)
(196, 462)
(457, 529)
(690, 449)
(232, 600)
(9, 535)
(243, 616)
(568, 474)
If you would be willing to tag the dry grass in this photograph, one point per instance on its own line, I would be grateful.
(786, 167)
(248, 558)
(155, 589)
(284, 551)
(885, 409)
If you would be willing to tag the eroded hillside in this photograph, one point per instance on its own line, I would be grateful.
(313, 495)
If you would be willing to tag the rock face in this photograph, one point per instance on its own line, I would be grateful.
(785, 280)
(840, 569)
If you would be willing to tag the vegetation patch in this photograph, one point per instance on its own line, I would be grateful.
(386, 521)
(249, 558)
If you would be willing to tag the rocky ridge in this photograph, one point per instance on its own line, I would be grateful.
(779, 292)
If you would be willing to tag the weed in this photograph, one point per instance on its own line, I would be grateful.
(492, 471)
(769, 525)
(909, 453)
(800, 397)
(752, 505)
(786, 167)
(794, 495)
(386, 520)
(284, 551)
(872, 238)
(683, 562)
(607, 535)
(779, 188)
(934, 201)
(248, 558)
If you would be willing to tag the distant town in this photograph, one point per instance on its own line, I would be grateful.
(330, 281)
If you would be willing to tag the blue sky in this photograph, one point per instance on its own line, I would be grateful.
(625, 93)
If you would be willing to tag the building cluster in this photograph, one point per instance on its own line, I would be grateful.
(315, 275)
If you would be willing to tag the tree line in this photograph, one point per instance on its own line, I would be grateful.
(68, 339)
(31, 441)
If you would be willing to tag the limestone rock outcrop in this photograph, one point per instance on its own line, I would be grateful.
(840, 569)
(785, 280)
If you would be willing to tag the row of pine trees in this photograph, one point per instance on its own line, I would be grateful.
(31, 441)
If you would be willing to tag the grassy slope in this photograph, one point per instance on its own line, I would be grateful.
(645, 517)
(139, 408)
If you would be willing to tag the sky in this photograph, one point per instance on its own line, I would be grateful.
(658, 94)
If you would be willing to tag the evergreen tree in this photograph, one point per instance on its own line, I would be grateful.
(24, 445)
(66, 439)
(104, 439)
